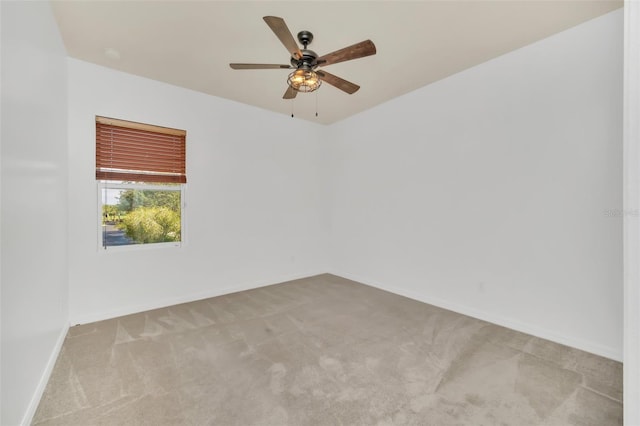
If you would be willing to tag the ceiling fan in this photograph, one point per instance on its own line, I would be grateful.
(306, 77)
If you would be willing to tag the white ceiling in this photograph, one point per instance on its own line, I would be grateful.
(191, 43)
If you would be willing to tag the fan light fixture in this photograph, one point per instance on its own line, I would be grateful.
(304, 80)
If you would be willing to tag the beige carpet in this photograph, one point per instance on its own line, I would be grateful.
(322, 351)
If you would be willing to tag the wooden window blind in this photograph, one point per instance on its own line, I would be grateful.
(138, 152)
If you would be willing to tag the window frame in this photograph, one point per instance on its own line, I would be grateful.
(103, 184)
(139, 156)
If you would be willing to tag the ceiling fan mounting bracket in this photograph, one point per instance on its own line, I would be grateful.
(305, 38)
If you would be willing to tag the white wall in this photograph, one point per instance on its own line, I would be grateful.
(487, 192)
(632, 219)
(34, 204)
(255, 198)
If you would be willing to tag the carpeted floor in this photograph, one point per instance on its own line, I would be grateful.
(322, 351)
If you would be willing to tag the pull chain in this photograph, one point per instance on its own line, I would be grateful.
(293, 106)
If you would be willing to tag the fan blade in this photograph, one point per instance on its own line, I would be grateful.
(340, 83)
(358, 50)
(259, 66)
(281, 30)
(290, 93)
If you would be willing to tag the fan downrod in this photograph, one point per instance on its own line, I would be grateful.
(309, 57)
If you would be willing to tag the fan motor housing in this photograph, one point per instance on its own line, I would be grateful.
(309, 59)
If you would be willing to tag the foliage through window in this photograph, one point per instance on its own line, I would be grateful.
(141, 175)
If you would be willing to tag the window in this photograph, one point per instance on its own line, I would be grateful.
(141, 174)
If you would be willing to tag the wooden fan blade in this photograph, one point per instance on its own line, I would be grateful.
(340, 83)
(259, 66)
(281, 30)
(358, 50)
(290, 93)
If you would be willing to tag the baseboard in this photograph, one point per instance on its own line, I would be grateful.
(42, 384)
(163, 303)
(551, 335)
